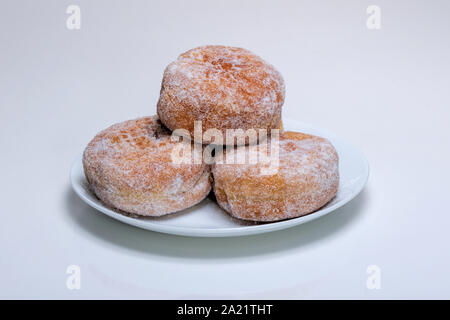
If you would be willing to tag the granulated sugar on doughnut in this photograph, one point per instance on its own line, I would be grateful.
(129, 166)
(224, 88)
(305, 179)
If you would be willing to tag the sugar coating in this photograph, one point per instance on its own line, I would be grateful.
(224, 87)
(129, 167)
(307, 178)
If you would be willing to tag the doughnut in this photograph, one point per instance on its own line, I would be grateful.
(224, 88)
(129, 167)
(305, 179)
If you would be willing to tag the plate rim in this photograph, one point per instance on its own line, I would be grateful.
(227, 231)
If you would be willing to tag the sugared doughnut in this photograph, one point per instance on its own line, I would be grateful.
(305, 179)
(130, 167)
(224, 88)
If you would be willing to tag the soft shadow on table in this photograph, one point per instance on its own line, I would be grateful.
(119, 234)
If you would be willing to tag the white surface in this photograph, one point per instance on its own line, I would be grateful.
(207, 220)
(386, 91)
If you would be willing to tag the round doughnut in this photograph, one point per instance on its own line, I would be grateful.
(305, 179)
(129, 167)
(224, 88)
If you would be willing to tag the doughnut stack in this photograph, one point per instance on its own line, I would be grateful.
(130, 166)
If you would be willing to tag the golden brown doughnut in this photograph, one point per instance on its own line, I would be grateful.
(307, 178)
(224, 87)
(129, 167)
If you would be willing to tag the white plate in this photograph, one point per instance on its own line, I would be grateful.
(207, 220)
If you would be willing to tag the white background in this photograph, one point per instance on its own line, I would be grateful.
(387, 91)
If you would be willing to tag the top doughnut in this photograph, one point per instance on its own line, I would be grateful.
(224, 87)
